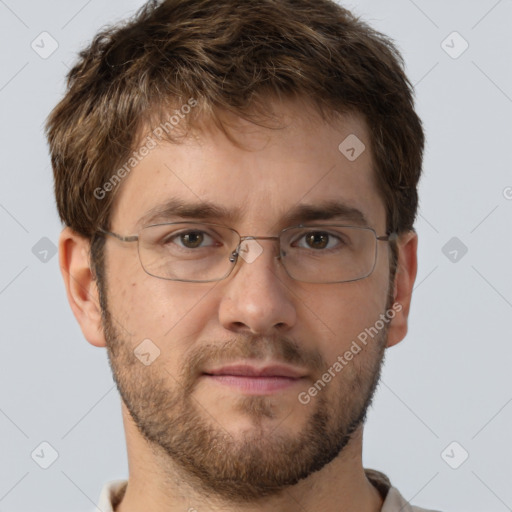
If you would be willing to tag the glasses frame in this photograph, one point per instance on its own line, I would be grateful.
(233, 258)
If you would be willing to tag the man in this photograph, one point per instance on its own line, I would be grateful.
(238, 182)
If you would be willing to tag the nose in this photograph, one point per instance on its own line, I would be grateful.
(256, 296)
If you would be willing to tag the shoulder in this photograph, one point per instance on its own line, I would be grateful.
(111, 494)
(393, 500)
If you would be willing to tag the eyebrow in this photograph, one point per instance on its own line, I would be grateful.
(177, 209)
(324, 210)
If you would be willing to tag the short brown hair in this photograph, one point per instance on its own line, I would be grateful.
(230, 56)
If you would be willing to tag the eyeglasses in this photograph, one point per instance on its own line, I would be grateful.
(204, 252)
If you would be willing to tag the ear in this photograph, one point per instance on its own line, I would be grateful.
(407, 267)
(81, 285)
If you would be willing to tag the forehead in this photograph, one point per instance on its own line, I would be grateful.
(304, 162)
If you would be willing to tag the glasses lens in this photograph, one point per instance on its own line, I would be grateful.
(197, 252)
(187, 251)
(328, 254)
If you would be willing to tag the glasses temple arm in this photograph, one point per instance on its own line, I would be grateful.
(130, 238)
(388, 238)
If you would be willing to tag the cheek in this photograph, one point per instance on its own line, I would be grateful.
(339, 313)
(163, 311)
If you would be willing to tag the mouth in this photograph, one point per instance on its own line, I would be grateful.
(256, 381)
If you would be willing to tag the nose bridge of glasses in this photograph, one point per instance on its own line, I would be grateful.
(250, 249)
(250, 237)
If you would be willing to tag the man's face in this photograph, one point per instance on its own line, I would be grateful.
(236, 442)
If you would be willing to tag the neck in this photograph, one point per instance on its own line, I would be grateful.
(155, 483)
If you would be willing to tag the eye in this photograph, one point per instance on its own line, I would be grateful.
(318, 240)
(191, 239)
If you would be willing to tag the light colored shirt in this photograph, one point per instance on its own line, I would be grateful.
(113, 492)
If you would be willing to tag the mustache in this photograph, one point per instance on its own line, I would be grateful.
(279, 349)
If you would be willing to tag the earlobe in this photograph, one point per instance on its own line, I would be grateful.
(81, 286)
(404, 281)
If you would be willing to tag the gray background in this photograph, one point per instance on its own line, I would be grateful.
(450, 379)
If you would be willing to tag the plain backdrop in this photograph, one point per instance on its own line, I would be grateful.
(446, 390)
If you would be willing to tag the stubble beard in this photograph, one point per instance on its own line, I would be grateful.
(187, 438)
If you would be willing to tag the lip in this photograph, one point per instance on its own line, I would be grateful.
(245, 370)
(256, 381)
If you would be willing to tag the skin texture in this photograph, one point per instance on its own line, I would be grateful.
(197, 443)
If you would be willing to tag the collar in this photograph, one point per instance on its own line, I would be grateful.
(113, 492)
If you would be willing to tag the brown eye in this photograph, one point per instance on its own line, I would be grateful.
(317, 240)
(192, 239)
